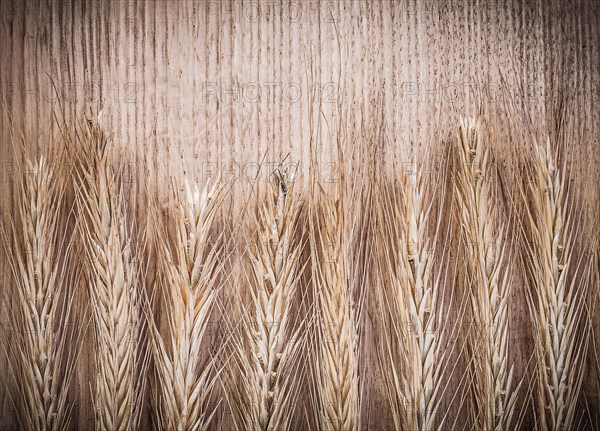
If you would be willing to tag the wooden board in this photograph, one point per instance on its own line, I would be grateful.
(197, 86)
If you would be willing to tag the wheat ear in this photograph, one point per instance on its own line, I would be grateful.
(337, 369)
(112, 283)
(412, 361)
(40, 274)
(190, 263)
(268, 372)
(484, 234)
(420, 292)
(557, 291)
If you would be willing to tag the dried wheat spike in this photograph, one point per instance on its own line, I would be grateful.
(190, 263)
(38, 259)
(268, 395)
(338, 378)
(484, 238)
(558, 286)
(112, 283)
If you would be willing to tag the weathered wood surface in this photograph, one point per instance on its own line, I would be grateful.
(195, 86)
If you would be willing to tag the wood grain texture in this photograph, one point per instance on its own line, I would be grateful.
(199, 86)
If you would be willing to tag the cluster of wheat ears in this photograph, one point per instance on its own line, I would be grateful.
(186, 327)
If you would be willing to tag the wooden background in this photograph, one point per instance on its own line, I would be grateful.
(199, 86)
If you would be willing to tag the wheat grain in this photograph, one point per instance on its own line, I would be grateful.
(112, 282)
(190, 262)
(412, 359)
(420, 293)
(268, 398)
(337, 369)
(40, 274)
(557, 291)
(484, 234)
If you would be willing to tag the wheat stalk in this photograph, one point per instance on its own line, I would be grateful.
(337, 367)
(557, 291)
(190, 262)
(390, 297)
(40, 274)
(269, 369)
(484, 235)
(112, 282)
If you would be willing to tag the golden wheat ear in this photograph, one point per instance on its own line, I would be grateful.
(558, 280)
(44, 345)
(337, 376)
(414, 307)
(112, 278)
(487, 273)
(190, 265)
(267, 398)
